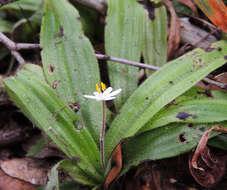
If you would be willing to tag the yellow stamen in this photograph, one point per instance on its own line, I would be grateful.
(103, 86)
(97, 88)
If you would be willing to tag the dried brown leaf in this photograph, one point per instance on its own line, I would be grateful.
(29, 170)
(10, 183)
(174, 30)
(115, 170)
(213, 168)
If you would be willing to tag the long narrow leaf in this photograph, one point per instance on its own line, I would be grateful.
(194, 111)
(42, 106)
(123, 37)
(69, 62)
(162, 87)
(163, 142)
(155, 37)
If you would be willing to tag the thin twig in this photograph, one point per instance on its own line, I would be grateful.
(18, 57)
(16, 46)
(216, 83)
(19, 46)
(127, 62)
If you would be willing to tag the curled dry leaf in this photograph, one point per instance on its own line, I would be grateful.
(115, 170)
(206, 168)
(202, 145)
(29, 170)
(191, 5)
(174, 30)
(10, 183)
(213, 168)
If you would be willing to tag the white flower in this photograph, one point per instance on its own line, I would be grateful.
(103, 94)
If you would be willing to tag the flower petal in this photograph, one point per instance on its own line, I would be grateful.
(114, 93)
(91, 97)
(96, 93)
(109, 98)
(107, 91)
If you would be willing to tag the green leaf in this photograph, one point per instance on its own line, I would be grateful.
(29, 5)
(5, 26)
(172, 80)
(69, 61)
(40, 144)
(219, 94)
(76, 173)
(219, 141)
(53, 176)
(53, 182)
(181, 8)
(155, 37)
(194, 111)
(163, 142)
(43, 107)
(123, 39)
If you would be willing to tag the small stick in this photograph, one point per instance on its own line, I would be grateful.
(16, 46)
(216, 83)
(18, 57)
(127, 62)
(13, 47)
(19, 46)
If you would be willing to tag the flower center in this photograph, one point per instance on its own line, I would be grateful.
(103, 87)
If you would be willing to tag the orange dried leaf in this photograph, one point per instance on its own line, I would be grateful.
(216, 11)
(117, 159)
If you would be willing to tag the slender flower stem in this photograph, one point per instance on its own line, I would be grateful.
(102, 135)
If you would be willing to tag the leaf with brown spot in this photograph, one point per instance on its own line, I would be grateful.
(174, 30)
(216, 11)
(117, 159)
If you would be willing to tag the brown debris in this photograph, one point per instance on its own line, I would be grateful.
(49, 150)
(207, 169)
(117, 159)
(174, 30)
(10, 183)
(11, 131)
(29, 170)
(219, 78)
(212, 168)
